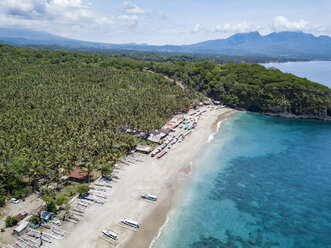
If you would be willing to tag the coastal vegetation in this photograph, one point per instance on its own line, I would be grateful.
(60, 109)
(253, 87)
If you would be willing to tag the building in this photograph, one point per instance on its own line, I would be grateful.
(143, 149)
(46, 216)
(173, 123)
(155, 139)
(21, 227)
(157, 136)
(78, 175)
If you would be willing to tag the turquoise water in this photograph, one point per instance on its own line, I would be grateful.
(316, 71)
(262, 182)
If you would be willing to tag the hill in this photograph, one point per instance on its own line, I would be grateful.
(253, 87)
(282, 45)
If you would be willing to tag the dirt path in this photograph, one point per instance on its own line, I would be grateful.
(179, 83)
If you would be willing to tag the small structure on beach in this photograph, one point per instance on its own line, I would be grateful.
(173, 123)
(78, 175)
(217, 102)
(157, 136)
(143, 149)
(46, 216)
(21, 227)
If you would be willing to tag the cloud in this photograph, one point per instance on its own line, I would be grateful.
(130, 18)
(161, 14)
(281, 23)
(131, 14)
(132, 9)
(58, 15)
(235, 28)
(198, 29)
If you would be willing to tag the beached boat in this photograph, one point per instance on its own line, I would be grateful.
(82, 204)
(101, 196)
(33, 234)
(58, 231)
(86, 197)
(78, 209)
(110, 234)
(46, 239)
(22, 245)
(132, 223)
(99, 201)
(149, 197)
(161, 154)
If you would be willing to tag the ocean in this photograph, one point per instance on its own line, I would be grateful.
(316, 71)
(261, 182)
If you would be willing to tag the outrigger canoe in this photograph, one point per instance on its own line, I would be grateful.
(149, 197)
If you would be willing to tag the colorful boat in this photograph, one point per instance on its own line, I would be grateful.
(149, 197)
(161, 154)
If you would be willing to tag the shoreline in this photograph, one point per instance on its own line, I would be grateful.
(157, 220)
(161, 177)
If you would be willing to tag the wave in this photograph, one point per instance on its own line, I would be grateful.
(211, 137)
(160, 231)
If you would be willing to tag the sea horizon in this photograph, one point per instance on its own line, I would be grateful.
(315, 70)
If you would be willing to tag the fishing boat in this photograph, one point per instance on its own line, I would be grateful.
(161, 154)
(82, 204)
(34, 234)
(130, 223)
(58, 231)
(149, 197)
(78, 209)
(110, 234)
(101, 196)
(99, 201)
(44, 238)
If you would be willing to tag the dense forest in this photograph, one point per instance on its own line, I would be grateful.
(169, 56)
(253, 87)
(60, 109)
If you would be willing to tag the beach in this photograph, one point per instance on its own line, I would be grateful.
(161, 177)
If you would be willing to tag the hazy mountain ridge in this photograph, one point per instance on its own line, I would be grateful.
(282, 44)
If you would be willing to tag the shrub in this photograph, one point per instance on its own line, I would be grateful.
(20, 192)
(2, 229)
(106, 169)
(2, 200)
(35, 220)
(10, 221)
(47, 190)
(82, 189)
(51, 207)
(60, 200)
(47, 198)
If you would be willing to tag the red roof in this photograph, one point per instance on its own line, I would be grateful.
(78, 174)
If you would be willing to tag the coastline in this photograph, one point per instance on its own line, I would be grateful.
(156, 221)
(162, 178)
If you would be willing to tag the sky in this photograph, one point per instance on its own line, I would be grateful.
(162, 22)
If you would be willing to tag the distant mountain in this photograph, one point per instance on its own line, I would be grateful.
(282, 44)
(274, 44)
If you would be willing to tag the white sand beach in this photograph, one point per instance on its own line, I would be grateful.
(160, 177)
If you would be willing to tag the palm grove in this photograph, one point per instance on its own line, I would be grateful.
(60, 109)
